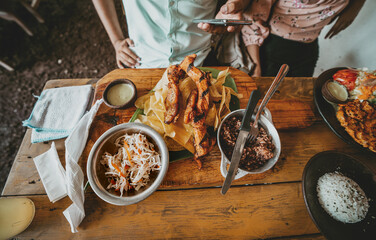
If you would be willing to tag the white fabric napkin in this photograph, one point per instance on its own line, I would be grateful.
(52, 174)
(74, 145)
(57, 112)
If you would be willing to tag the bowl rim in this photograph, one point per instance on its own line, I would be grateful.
(309, 204)
(261, 120)
(127, 200)
(115, 82)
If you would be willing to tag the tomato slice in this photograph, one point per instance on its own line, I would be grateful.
(346, 77)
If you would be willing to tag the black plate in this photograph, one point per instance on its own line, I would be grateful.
(327, 110)
(330, 161)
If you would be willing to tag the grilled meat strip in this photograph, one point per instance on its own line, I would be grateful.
(202, 80)
(190, 110)
(174, 74)
(172, 103)
(196, 115)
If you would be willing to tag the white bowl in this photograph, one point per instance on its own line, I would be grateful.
(95, 170)
(265, 122)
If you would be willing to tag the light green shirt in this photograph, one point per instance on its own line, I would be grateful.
(163, 32)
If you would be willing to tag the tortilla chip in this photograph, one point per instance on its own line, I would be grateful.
(186, 86)
(141, 100)
(172, 145)
(211, 116)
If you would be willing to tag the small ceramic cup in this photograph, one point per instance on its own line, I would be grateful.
(126, 104)
(266, 123)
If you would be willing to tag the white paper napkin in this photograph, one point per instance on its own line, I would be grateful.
(74, 145)
(52, 174)
(71, 182)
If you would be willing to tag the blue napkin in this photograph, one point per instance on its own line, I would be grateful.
(57, 112)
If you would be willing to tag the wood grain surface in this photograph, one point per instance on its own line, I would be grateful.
(282, 111)
(188, 204)
(248, 212)
(145, 79)
(298, 146)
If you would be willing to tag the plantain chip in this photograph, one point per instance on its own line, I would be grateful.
(172, 145)
(211, 116)
(186, 86)
(141, 100)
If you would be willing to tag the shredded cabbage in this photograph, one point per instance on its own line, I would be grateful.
(131, 166)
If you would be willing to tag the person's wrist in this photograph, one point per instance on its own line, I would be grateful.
(256, 65)
(117, 42)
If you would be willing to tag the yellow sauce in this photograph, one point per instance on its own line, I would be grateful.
(16, 215)
(120, 94)
(337, 91)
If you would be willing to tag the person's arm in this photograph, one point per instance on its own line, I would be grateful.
(346, 17)
(232, 9)
(254, 53)
(107, 13)
(254, 35)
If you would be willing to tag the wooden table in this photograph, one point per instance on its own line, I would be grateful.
(259, 206)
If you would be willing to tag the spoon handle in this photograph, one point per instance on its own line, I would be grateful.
(273, 87)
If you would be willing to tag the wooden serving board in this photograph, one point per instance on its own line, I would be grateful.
(287, 114)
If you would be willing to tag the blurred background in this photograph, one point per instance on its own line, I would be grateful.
(353, 47)
(71, 43)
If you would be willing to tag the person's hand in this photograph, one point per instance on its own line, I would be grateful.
(345, 18)
(233, 9)
(125, 57)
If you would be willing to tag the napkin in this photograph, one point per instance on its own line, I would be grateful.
(59, 183)
(74, 145)
(52, 174)
(57, 112)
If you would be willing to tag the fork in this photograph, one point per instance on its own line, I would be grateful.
(273, 87)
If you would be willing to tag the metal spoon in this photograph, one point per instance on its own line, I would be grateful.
(273, 87)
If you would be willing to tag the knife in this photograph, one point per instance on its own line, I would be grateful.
(240, 141)
(225, 22)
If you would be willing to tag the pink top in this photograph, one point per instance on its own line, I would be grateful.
(299, 20)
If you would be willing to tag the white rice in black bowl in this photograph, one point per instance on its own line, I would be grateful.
(342, 198)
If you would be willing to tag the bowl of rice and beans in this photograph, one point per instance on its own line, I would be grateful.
(127, 163)
(340, 192)
(258, 155)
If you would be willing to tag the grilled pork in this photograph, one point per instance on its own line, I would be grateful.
(174, 74)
